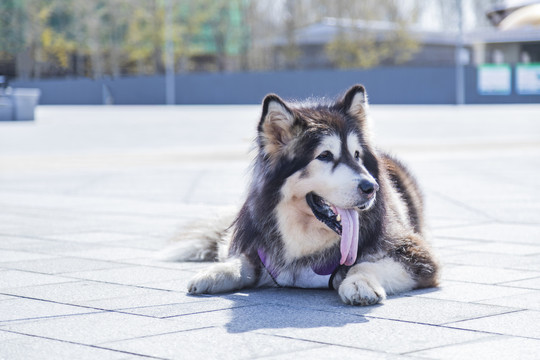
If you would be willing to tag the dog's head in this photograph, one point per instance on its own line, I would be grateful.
(322, 153)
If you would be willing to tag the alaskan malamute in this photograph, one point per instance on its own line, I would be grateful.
(325, 209)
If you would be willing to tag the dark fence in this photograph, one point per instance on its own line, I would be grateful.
(389, 85)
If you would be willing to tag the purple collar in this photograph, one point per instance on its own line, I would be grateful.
(318, 274)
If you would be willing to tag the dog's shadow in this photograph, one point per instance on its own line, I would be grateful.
(290, 308)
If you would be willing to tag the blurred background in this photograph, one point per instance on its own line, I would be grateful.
(235, 51)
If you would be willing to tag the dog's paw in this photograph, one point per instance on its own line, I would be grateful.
(359, 290)
(219, 278)
(201, 284)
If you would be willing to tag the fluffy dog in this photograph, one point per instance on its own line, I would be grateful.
(325, 209)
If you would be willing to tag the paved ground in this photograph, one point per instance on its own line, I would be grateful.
(89, 194)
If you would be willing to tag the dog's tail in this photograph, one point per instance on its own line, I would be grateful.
(200, 241)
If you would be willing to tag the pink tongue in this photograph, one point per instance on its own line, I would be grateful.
(349, 235)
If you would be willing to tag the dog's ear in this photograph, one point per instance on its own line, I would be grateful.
(275, 127)
(355, 104)
(355, 101)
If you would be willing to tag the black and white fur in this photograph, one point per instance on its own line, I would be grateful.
(327, 150)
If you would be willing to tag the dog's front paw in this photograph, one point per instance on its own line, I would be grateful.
(220, 278)
(201, 284)
(360, 290)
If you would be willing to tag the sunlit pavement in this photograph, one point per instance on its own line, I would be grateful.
(88, 195)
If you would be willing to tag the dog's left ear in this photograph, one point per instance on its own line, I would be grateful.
(355, 104)
(275, 127)
(355, 101)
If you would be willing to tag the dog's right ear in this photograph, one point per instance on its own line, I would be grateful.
(275, 127)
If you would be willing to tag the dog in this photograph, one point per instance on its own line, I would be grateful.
(325, 209)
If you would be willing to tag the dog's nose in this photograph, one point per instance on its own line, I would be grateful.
(368, 187)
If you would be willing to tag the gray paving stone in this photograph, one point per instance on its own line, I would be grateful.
(484, 275)
(155, 262)
(154, 237)
(212, 343)
(23, 309)
(131, 275)
(30, 348)
(341, 329)
(44, 246)
(533, 283)
(500, 232)
(496, 347)
(179, 285)
(443, 208)
(61, 265)
(10, 256)
(111, 253)
(337, 352)
(413, 309)
(16, 243)
(6, 335)
(431, 311)
(78, 292)
(17, 278)
(41, 224)
(268, 316)
(195, 306)
(5, 297)
(148, 298)
(436, 222)
(504, 248)
(381, 335)
(527, 212)
(520, 323)
(443, 253)
(92, 237)
(509, 261)
(82, 203)
(483, 172)
(312, 299)
(526, 300)
(443, 243)
(467, 292)
(97, 328)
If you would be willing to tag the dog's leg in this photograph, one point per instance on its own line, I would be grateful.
(368, 283)
(233, 274)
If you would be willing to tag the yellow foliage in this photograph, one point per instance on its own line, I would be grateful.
(46, 37)
(44, 13)
(57, 46)
(364, 50)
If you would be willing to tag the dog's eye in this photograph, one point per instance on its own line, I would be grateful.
(325, 156)
(357, 155)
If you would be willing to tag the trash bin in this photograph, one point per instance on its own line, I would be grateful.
(24, 103)
(6, 107)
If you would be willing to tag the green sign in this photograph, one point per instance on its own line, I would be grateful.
(528, 79)
(494, 79)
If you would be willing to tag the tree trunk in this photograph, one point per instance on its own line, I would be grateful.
(23, 64)
(95, 48)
